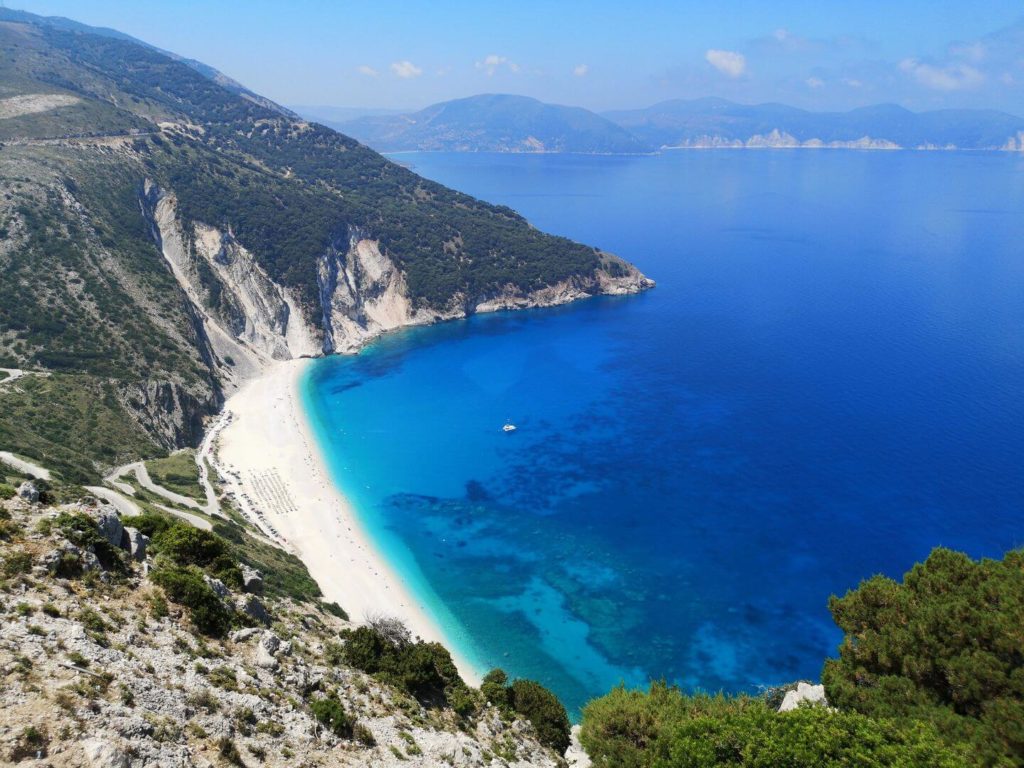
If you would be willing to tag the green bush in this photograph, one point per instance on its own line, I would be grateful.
(811, 737)
(532, 701)
(543, 709)
(17, 563)
(944, 646)
(664, 728)
(423, 670)
(185, 544)
(186, 586)
(330, 713)
(7, 491)
(495, 689)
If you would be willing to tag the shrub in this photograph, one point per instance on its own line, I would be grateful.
(532, 701)
(666, 729)
(17, 563)
(7, 491)
(224, 677)
(543, 709)
(330, 713)
(363, 735)
(185, 544)
(187, 587)
(808, 737)
(423, 670)
(944, 646)
(495, 689)
(31, 742)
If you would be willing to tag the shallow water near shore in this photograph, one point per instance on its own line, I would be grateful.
(827, 382)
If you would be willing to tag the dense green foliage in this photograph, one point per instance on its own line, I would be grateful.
(186, 586)
(665, 728)
(284, 574)
(533, 702)
(69, 423)
(423, 670)
(331, 714)
(184, 555)
(946, 645)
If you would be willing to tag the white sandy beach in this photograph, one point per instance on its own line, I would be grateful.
(266, 451)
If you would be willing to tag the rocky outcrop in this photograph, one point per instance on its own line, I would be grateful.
(804, 694)
(248, 319)
(364, 294)
(137, 544)
(252, 580)
(29, 492)
(168, 412)
(110, 527)
(101, 680)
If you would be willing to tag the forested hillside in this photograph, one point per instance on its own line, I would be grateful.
(97, 129)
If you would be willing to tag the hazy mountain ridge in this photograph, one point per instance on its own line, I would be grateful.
(717, 122)
(494, 123)
(501, 123)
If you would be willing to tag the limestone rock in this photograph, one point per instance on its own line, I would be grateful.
(241, 635)
(137, 543)
(252, 607)
(110, 526)
(252, 580)
(814, 694)
(218, 586)
(575, 755)
(28, 492)
(100, 753)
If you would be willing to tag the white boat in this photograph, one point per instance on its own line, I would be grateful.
(509, 427)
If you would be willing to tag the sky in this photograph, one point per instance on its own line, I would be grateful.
(382, 54)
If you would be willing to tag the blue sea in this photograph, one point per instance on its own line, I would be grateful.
(827, 383)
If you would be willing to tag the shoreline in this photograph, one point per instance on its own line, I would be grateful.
(267, 455)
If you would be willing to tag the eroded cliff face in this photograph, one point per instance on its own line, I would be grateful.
(364, 294)
(248, 320)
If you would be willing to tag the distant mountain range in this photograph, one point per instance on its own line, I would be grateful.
(502, 123)
(494, 123)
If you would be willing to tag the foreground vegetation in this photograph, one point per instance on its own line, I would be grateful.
(930, 673)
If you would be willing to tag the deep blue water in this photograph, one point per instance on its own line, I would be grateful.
(827, 382)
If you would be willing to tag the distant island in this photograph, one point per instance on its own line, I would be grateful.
(494, 123)
(505, 123)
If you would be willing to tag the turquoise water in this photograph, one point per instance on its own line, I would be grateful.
(827, 382)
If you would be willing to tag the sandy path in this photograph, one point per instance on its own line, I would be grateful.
(269, 461)
(125, 507)
(26, 467)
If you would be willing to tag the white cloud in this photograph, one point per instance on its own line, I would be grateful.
(406, 69)
(728, 63)
(815, 82)
(580, 70)
(494, 62)
(366, 69)
(952, 77)
(853, 82)
(975, 51)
